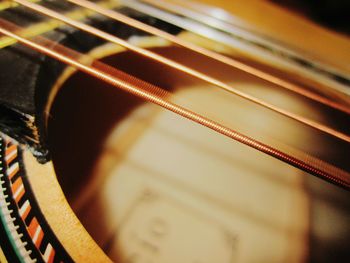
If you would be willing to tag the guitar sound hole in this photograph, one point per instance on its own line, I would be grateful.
(151, 186)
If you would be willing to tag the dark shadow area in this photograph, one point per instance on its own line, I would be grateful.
(331, 13)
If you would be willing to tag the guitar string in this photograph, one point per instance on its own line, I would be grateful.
(110, 13)
(149, 54)
(161, 97)
(246, 43)
(48, 25)
(106, 10)
(201, 11)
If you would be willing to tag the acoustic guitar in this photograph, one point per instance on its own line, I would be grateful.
(172, 131)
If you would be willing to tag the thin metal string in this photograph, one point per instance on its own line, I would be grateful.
(159, 96)
(208, 53)
(48, 25)
(247, 32)
(146, 53)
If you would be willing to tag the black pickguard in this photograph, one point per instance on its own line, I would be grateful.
(27, 76)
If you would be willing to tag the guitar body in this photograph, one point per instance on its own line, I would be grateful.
(90, 173)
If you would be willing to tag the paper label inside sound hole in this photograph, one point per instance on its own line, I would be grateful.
(163, 230)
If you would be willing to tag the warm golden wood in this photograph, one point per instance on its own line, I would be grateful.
(58, 213)
(291, 28)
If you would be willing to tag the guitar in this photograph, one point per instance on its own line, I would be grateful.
(169, 131)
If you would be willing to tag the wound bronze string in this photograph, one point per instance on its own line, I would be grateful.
(208, 53)
(198, 18)
(162, 98)
(149, 54)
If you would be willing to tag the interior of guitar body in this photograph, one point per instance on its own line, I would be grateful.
(148, 184)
